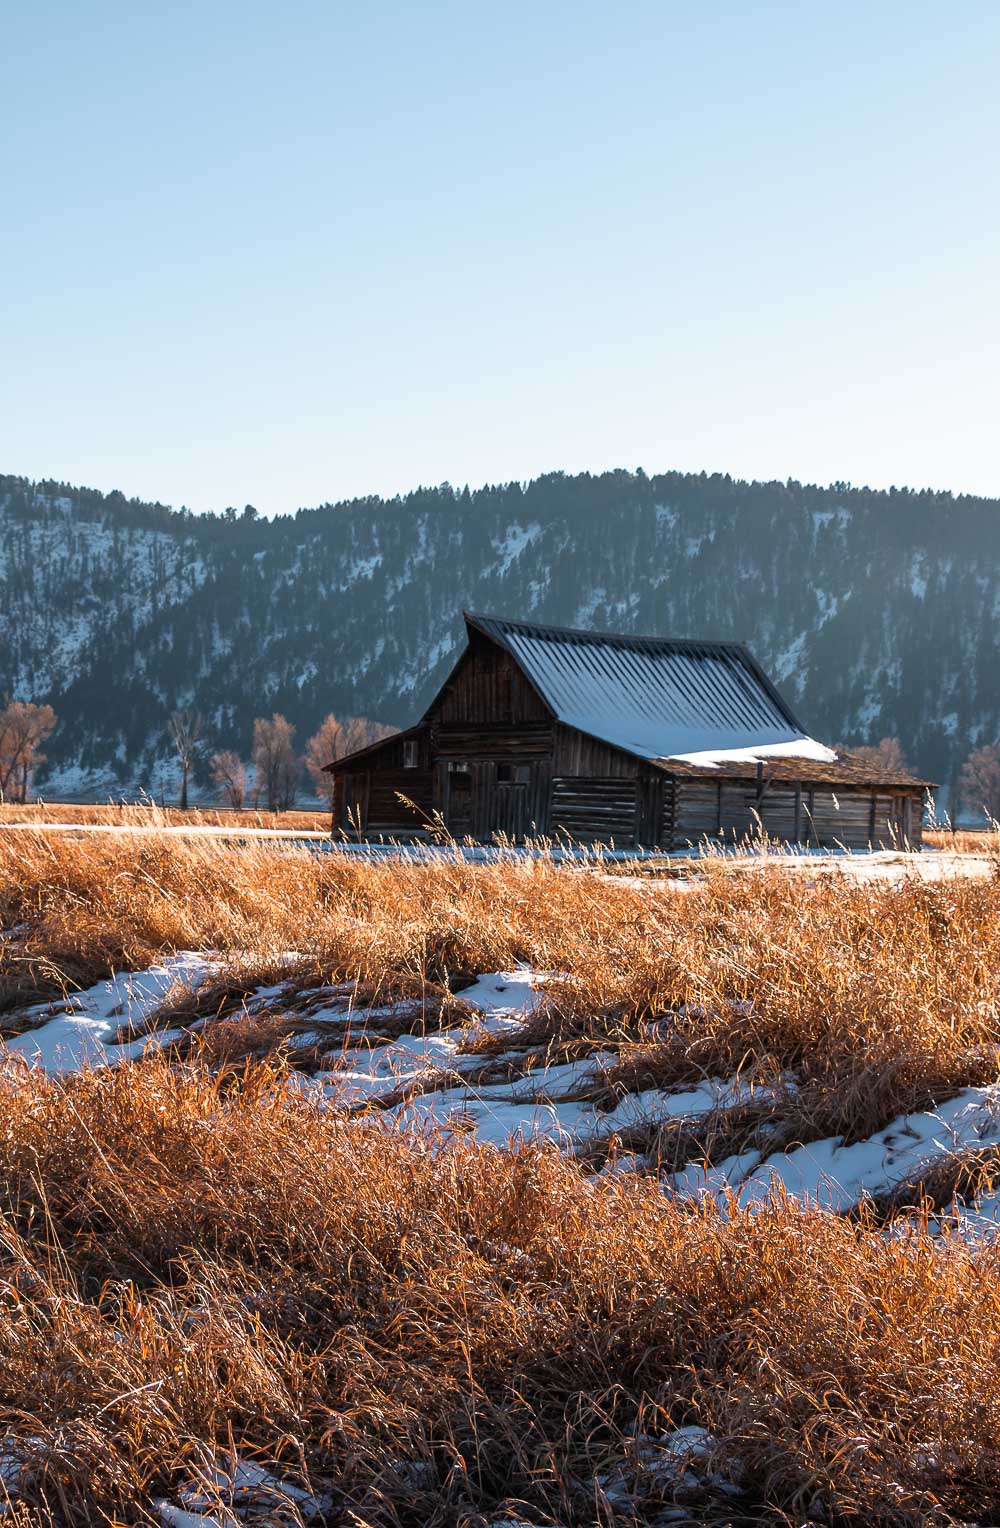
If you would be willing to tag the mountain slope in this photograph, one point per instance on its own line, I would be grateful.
(875, 612)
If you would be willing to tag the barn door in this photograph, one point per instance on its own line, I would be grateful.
(510, 813)
(901, 820)
(458, 798)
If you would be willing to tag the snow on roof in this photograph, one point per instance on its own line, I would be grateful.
(798, 748)
(704, 703)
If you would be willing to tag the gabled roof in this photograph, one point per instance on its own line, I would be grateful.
(693, 708)
(660, 698)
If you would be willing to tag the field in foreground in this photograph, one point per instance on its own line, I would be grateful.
(268, 1254)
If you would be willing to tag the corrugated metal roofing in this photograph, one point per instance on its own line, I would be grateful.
(655, 697)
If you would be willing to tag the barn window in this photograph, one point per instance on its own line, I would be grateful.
(411, 754)
(512, 774)
(455, 768)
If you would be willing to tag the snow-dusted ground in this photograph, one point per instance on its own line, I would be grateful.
(836, 1176)
(79, 1030)
(239, 1491)
(430, 1077)
(436, 1077)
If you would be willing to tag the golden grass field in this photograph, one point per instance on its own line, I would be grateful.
(149, 815)
(198, 1259)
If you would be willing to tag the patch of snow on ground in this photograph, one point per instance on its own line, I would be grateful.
(504, 997)
(433, 1072)
(79, 1030)
(550, 1102)
(15, 1468)
(836, 1176)
(659, 1465)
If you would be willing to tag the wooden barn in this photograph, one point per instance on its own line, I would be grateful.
(540, 731)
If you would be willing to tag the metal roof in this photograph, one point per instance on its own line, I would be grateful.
(657, 697)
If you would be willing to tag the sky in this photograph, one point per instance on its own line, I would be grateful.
(285, 255)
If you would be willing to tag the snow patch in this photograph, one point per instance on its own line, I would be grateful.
(238, 1492)
(79, 1031)
(795, 748)
(836, 1176)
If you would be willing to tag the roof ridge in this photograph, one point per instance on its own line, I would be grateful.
(619, 639)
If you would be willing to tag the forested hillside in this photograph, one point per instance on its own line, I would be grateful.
(875, 612)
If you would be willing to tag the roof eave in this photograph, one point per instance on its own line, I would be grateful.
(814, 773)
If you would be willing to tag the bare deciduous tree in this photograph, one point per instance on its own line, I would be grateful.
(361, 731)
(229, 776)
(333, 740)
(275, 761)
(979, 782)
(888, 754)
(23, 728)
(185, 728)
(323, 747)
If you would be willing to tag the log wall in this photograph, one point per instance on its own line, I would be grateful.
(816, 816)
(594, 809)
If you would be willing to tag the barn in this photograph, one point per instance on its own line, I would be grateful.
(541, 731)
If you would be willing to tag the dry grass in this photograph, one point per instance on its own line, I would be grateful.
(875, 1000)
(147, 814)
(193, 1258)
(84, 907)
(964, 840)
(440, 1333)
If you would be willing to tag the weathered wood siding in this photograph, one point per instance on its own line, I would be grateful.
(813, 815)
(514, 742)
(577, 754)
(491, 742)
(594, 809)
(476, 802)
(696, 812)
(370, 794)
(488, 687)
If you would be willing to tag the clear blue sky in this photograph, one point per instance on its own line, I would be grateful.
(298, 252)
